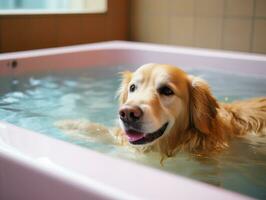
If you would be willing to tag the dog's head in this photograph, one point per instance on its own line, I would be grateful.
(162, 101)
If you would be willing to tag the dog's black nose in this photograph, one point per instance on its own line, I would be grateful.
(130, 113)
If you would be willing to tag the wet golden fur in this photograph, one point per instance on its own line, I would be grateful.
(198, 122)
(207, 125)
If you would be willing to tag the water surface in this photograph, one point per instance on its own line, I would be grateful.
(36, 101)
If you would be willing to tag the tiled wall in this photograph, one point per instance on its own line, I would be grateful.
(220, 24)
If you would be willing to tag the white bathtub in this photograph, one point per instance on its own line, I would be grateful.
(34, 166)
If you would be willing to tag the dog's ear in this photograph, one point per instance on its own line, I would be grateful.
(203, 106)
(123, 90)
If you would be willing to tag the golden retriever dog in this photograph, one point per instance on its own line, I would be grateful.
(163, 109)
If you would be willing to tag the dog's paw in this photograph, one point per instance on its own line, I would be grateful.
(81, 125)
(69, 124)
(86, 130)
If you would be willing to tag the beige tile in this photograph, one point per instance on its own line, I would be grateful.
(239, 8)
(259, 41)
(155, 7)
(260, 8)
(237, 34)
(158, 29)
(208, 32)
(149, 29)
(181, 31)
(139, 28)
(138, 7)
(183, 8)
(213, 8)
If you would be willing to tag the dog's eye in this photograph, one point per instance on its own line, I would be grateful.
(132, 88)
(165, 90)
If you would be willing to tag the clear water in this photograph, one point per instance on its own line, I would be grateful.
(37, 101)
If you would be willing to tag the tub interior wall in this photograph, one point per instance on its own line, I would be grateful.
(81, 173)
(128, 57)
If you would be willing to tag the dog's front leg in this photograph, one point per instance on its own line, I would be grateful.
(85, 129)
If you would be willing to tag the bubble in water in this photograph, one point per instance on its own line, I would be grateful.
(34, 82)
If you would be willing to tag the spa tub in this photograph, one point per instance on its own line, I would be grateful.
(34, 166)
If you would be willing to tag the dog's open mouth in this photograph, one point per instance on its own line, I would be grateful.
(135, 137)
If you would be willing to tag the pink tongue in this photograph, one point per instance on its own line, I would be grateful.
(134, 136)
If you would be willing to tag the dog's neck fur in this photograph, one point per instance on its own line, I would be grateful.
(231, 120)
(193, 140)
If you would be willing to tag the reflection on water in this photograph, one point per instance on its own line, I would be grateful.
(37, 101)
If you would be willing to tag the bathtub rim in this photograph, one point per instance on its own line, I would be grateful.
(121, 45)
(129, 45)
(122, 53)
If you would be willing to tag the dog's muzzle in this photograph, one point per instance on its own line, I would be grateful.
(139, 138)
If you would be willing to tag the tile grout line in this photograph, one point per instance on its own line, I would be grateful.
(226, 17)
(252, 26)
(223, 24)
(194, 23)
(169, 23)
